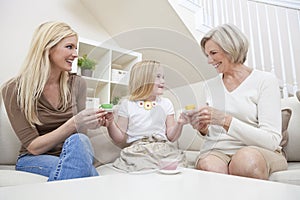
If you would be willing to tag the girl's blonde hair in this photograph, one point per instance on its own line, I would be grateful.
(142, 79)
(36, 69)
(231, 40)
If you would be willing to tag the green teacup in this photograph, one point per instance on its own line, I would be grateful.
(107, 107)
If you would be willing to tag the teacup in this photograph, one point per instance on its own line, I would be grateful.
(189, 108)
(107, 107)
(168, 164)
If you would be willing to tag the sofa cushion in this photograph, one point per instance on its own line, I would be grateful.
(190, 139)
(286, 116)
(290, 176)
(108, 169)
(287, 176)
(12, 178)
(9, 142)
(105, 149)
(293, 148)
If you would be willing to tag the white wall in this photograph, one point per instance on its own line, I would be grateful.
(19, 18)
(188, 94)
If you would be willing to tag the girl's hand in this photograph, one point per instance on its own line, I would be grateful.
(109, 118)
(183, 119)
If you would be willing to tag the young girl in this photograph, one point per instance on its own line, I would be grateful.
(146, 121)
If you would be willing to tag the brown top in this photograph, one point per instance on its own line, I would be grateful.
(50, 117)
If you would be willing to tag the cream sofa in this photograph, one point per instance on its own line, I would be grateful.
(106, 151)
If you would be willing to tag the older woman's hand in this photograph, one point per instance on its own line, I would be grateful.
(210, 115)
(196, 122)
(205, 116)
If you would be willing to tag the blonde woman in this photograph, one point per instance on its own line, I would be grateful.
(242, 124)
(146, 121)
(45, 104)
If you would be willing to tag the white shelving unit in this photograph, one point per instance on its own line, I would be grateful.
(102, 85)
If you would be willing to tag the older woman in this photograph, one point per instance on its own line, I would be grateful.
(242, 121)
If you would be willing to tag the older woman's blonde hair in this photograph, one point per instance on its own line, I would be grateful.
(36, 69)
(230, 39)
(142, 79)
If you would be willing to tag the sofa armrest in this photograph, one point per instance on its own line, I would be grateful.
(293, 147)
(9, 142)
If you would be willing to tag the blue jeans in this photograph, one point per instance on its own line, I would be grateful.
(75, 161)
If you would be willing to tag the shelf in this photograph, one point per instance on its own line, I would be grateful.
(119, 83)
(109, 59)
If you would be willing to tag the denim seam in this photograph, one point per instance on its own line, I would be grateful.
(58, 168)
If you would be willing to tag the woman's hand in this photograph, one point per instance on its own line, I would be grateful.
(90, 118)
(209, 115)
(205, 116)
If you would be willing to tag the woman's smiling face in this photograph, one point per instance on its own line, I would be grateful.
(63, 54)
(217, 57)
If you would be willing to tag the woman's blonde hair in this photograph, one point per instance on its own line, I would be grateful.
(142, 79)
(36, 69)
(230, 39)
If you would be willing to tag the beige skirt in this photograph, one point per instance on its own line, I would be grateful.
(146, 154)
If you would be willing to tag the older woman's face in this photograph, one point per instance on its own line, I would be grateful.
(216, 56)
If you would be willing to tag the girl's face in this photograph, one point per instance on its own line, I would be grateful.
(63, 54)
(159, 83)
(217, 57)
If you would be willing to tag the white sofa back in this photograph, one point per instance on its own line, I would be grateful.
(106, 151)
(9, 143)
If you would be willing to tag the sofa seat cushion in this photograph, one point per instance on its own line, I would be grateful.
(7, 167)
(290, 176)
(13, 177)
(108, 169)
(293, 165)
(191, 157)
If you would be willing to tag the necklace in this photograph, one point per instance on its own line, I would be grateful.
(147, 105)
